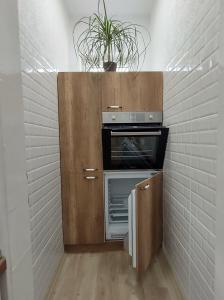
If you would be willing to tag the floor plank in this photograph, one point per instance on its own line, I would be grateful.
(109, 276)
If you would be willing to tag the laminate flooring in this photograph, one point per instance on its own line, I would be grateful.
(109, 276)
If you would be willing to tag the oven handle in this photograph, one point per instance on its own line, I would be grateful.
(146, 133)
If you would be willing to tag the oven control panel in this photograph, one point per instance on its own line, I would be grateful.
(132, 117)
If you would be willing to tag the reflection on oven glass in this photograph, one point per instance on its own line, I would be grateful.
(134, 152)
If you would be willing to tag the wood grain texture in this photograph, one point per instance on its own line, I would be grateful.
(149, 211)
(110, 91)
(80, 121)
(108, 276)
(81, 148)
(2, 265)
(157, 192)
(151, 91)
(133, 91)
(83, 209)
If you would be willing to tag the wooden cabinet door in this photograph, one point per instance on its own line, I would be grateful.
(80, 121)
(81, 157)
(132, 91)
(142, 91)
(110, 92)
(149, 221)
(83, 208)
(157, 192)
(150, 86)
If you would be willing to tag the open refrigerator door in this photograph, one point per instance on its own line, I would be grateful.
(132, 227)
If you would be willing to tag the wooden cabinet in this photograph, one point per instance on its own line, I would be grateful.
(82, 98)
(150, 85)
(148, 224)
(110, 91)
(132, 91)
(83, 214)
(81, 158)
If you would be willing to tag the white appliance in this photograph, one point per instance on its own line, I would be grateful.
(119, 207)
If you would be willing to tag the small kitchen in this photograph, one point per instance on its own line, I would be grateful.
(111, 150)
(113, 143)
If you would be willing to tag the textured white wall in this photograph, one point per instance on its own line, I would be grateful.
(14, 211)
(185, 44)
(220, 185)
(44, 37)
(48, 23)
(171, 24)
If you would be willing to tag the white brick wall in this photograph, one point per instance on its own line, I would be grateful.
(185, 44)
(43, 51)
(191, 112)
(219, 286)
(15, 239)
(43, 162)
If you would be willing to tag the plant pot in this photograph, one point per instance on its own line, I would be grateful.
(110, 66)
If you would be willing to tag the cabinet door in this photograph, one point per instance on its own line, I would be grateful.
(142, 91)
(149, 221)
(151, 91)
(130, 92)
(110, 92)
(81, 157)
(83, 208)
(80, 121)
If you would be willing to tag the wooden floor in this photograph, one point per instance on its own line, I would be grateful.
(109, 276)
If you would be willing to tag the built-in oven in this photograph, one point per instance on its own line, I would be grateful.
(133, 141)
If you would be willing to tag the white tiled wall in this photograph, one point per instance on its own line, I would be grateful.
(220, 173)
(191, 95)
(15, 241)
(43, 166)
(44, 50)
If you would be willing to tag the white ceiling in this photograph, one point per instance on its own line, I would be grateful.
(82, 8)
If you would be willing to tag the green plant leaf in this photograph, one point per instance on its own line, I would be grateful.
(105, 39)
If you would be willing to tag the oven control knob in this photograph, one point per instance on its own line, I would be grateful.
(150, 117)
(113, 118)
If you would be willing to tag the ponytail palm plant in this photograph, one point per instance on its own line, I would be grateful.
(109, 43)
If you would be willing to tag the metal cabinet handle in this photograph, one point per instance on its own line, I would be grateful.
(90, 177)
(90, 170)
(114, 106)
(145, 187)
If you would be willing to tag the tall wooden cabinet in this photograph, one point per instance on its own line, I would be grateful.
(81, 158)
(82, 98)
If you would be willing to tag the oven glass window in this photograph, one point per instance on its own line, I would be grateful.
(134, 152)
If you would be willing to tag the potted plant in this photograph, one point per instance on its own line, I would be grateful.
(109, 43)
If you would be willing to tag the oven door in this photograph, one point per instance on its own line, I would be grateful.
(134, 148)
